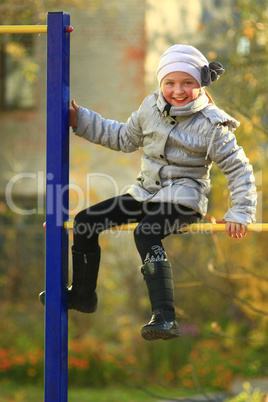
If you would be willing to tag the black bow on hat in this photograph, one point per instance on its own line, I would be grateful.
(211, 73)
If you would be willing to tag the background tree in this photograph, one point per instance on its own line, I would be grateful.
(220, 283)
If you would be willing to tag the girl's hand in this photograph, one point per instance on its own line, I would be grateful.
(73, 114)
(236, 230)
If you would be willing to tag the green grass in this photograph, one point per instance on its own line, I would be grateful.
(12, 392)
(109, 395)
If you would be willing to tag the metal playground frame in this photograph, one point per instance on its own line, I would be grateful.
(56, 310)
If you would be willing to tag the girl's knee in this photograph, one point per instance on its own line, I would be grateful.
(82, 222)
(145, 229)
(142, 232)
(138, 234)
(79, 217)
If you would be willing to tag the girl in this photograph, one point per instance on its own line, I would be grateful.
(182, 132)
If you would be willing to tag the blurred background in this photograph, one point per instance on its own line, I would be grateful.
(221, 284)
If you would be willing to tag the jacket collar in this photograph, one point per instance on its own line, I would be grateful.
(193, 107)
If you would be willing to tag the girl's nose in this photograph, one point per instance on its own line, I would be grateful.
(178, 89)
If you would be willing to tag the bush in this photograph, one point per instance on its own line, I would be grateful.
(248, 395)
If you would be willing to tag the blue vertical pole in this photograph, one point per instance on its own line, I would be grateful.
(57, 205)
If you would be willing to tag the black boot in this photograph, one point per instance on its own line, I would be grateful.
(159, 280)
(82, 295)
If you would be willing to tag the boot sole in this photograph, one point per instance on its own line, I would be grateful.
(153, 334)
(81, 307)
(84, 308)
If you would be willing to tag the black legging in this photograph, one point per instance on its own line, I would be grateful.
(156, 220)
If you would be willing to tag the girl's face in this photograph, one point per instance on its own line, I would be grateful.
(180, 88)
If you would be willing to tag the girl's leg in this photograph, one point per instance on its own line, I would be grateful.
(88, 225)
(162, 220)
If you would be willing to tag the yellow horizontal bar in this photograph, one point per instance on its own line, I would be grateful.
(195, 227)
(23, 29)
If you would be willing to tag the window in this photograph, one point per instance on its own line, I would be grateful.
(17, 72)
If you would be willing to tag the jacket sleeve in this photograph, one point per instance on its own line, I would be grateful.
(232, 161)
(126, 137)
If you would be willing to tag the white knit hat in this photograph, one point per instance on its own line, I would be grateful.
(182, 58)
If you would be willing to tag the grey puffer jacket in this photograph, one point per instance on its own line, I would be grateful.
(179, 147)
